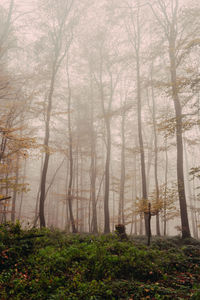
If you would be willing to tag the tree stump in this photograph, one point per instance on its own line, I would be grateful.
(121, 231)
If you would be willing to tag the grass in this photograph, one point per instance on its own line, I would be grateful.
(55, 265)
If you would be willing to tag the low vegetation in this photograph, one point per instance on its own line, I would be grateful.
(44, 264)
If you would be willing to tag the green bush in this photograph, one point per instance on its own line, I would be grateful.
(49, 264)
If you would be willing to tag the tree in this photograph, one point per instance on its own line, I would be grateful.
(6, 29)
(71, 161)
(93, 167)
(15, 142)
(168, 21)
(106, 75)
(134, 34)
(155, 152)
(125, 106)
(60, 37)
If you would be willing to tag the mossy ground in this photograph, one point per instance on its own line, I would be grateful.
(56, 265)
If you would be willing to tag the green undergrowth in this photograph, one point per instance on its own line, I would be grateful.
(44, 264)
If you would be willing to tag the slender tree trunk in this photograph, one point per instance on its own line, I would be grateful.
(132, 207)
(155, 156)
(134, 197)
(113, 220)
(67, 221)
(122, 179)
(82, 214)
(107, 180)
(93, 185)
(77, 187)
(7, 190)
(69, 194)
(149, 161)
(13, 213)
(108, 153)
(135, 192)
(135, 37)
(195, 208)
(46, 147)
(179, 139)
(165, 192)
(142, 156)
(149, 221)
(36, 216)
(93, 163)
(6, 29)
(63, 216)
(190, 193)
(74, 193)
(22, 193)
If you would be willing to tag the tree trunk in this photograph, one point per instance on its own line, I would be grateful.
(82, 214)
(93, 163)
(69, 194)
(135, 37)
(122, 179)
(194, 229)
(179, 139)
(107, 180)
(135, 193)
(156, 156)
(46, 148)
(106, 116)
(6, 29)
(93, 185)
(113, 211)
(195, 208)
(142, 156)
(15, 191)
(77, 186)
(22, 193)
(165, 192)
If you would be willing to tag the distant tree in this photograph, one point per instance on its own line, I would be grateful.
(70, 142)
(106, 73)
(6, 37)
(15, 142)
(134, 25)
(58, 35)
(155, 151)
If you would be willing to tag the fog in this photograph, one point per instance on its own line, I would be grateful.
(99, 118)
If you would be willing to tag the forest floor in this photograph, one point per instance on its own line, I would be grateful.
(44, 264)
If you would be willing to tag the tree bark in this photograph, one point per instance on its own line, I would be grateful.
(155, 157)
(165, 191)
(179, 138)
(194, 229)
(22, 193)
(122, 177)
(46, 147)
(15, 191)
(141, 145)
(107, 179)
(71, 173)
(93, 164)
(106, 115)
